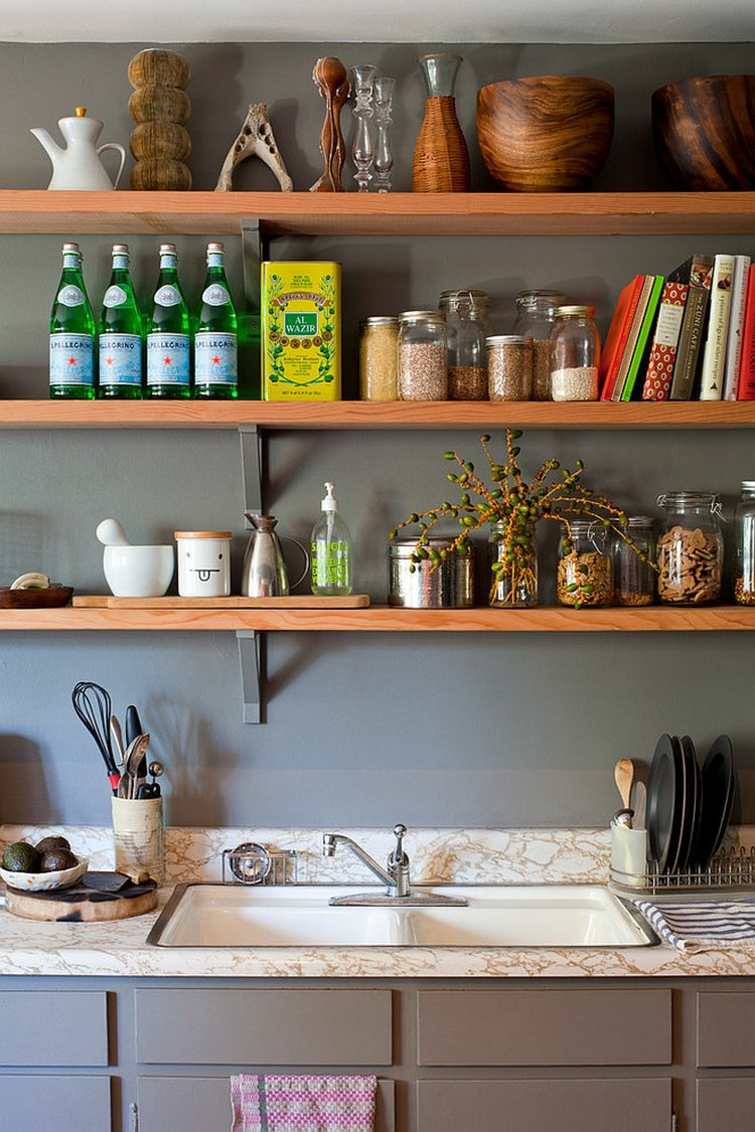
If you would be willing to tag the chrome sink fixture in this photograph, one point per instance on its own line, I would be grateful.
(395, 877)
(520, 916)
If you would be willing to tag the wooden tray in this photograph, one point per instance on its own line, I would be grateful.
(78, 904)
(51, 597)
(299, 601)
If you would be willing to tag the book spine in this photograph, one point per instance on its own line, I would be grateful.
(746, 388)
(714, 355)
(641, 348)
(690, 338)
(736, 325)
(660, 371)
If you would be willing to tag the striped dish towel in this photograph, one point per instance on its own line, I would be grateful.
(702, 926)
(303, 1104)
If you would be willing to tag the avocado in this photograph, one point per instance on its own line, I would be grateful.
(48, 843)
(20, 857)
(55, 860)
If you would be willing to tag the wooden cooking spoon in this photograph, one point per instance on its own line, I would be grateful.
(623, 774)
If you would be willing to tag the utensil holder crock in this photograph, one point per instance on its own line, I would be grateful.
(139, 836)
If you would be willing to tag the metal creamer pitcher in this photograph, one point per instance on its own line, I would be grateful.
(264, 572)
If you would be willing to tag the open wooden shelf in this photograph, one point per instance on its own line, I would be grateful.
(382, 619)
(391, 214)
(374, 415)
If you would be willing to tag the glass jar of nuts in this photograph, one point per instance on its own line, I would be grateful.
(378, 351)
(585, 570)
(575, 355)
(633, 573)
(535, 318)
(422, 356)
(466, 312)
(690, 548)
(744, 583)
(509, 367)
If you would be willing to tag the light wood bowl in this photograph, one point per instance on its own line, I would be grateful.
(549, 133)
(704, 131)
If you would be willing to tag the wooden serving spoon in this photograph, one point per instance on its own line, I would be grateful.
(624, 773)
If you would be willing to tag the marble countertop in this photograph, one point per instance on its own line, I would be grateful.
(119, 949)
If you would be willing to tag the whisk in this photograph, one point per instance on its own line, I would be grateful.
(94, 707)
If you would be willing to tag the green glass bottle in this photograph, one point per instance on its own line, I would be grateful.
(72, 333)
(169, 334)
(120, 333)
(216, 340)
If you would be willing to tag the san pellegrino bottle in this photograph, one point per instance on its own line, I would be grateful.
(169, 333)
(216, 339)
(331, 551)
(72, 333)
(120, 333)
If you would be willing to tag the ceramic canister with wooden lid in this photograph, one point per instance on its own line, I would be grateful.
(204, 563)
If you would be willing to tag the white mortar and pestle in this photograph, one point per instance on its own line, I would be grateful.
(134, 571)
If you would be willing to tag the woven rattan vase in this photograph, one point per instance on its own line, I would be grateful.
(441, 157)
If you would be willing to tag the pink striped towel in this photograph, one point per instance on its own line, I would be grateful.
(303, 1104)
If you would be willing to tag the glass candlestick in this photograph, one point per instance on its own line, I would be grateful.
(383, 99)
(363, 148)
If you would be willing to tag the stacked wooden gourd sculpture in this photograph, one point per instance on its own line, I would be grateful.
(160, 105)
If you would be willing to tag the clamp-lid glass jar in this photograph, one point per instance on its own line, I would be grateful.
(466, 313)
(378, 349)
(744, 583)
(585, 570)
(575, 354)
(633, 573)
(509, 367)
(690, 548)
(535, 319)
(422, 356)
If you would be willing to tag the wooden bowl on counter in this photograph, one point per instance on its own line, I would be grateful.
(549, 133)
(704, 131)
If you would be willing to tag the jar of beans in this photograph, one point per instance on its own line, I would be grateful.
(466, 312)
(509, 367)
(585, 569)
(690, 548)
(744, 583)
(422, 356)
(535, 318)
(575, 355)
(633, 572)
(378, 359)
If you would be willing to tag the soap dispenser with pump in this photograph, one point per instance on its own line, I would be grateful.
(331, 551)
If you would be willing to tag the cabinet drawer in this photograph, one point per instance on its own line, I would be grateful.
(726, 1105)
(534, 1106)
(725, 1029)
(202, 1104)
(65, 1104)
(545, 1027)
(53, 1028)
(263, 1027)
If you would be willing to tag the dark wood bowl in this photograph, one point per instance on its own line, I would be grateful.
(52, 597)
(704, 131)
(549, 133)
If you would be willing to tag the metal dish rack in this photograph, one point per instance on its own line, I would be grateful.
(255, 864)
(731, 871)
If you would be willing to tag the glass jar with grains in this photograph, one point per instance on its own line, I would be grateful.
(744, 583)
(466, 312)
(422, 356)
(690, 548)
(535, 318)
(509, 367)
(378, 359)
(575, 355)
(585, 570)
(633, 573)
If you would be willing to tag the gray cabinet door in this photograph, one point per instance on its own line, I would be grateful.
(41, 1028)
(545, 1106)
(725, 1029)
(33, 1103)
(202, 1104)
(263, 1027)
(545, 1027)
(726, 1104)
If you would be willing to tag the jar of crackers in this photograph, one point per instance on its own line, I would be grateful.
(690, 548)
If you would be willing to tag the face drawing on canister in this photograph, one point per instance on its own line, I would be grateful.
(202, 559)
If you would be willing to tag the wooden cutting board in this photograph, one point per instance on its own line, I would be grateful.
(299, 601)
(78, 904)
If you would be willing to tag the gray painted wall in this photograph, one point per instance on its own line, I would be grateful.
(480, 730)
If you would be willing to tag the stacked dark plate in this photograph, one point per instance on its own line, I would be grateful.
(689, 806)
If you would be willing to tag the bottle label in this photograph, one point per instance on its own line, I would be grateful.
(215, 295)
(115, 296)
(71, 295)
(168, 359)
(167, 296)
(330, 564)
(120, 359)
(215, 358)
(71, 359)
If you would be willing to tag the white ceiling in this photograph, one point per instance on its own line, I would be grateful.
(378, 21)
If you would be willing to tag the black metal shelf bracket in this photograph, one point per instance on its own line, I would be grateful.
(250, 647)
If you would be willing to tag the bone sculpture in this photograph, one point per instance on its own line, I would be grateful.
(331, 78)
(255, 139)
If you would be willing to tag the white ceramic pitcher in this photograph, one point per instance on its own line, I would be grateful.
(78, 164)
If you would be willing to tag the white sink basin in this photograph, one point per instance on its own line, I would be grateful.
(215, 915)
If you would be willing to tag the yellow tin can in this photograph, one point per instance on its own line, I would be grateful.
(301, 331)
